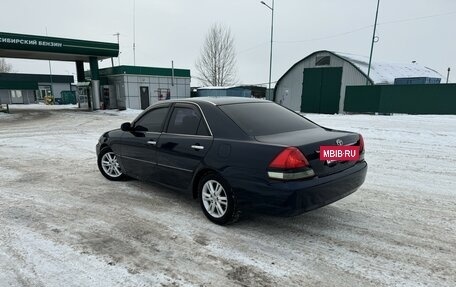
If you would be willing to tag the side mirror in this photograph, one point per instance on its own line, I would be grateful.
(126, 127)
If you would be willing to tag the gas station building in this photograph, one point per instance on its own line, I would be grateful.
(116, 87)
(138, 87)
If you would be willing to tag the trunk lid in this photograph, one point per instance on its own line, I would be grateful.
(309, 141)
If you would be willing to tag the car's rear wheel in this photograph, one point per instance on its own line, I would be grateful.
(217, 199)
(109, 166)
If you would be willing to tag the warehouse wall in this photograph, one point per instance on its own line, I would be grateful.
(289, 88)
(408, 99)
(350, 77)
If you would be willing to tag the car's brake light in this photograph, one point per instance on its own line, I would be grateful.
(290, 164)
(361, 148)
(289, 158)
(361, 144)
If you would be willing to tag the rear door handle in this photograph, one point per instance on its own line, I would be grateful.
(152, 142)
(197, 147)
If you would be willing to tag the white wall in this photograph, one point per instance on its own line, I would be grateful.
(180, 89)
(350, 77)
(57, 88)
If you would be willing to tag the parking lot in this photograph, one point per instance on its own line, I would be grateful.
(63, 224)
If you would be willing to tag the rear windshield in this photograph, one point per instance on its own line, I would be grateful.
(259, 119)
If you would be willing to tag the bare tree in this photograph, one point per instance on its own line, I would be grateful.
(5, 67)
(216, 65)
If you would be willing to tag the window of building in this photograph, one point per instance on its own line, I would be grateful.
(44, 91)
(16, 93)
(163, 94)
(323, 61)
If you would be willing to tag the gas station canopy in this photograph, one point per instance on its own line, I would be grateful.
(60, 49)
(52, 48)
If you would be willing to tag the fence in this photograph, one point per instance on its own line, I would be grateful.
(407, 99)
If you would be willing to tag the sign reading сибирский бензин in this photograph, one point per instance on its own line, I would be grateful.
(43, 47)
(10, 40)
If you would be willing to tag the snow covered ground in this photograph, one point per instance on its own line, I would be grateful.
(63, 224)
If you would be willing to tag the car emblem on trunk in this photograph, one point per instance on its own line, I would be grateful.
(339, 142)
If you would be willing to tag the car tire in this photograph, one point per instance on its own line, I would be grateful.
(217, 199)
(109, 165)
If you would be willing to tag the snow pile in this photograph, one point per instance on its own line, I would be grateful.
(42, 106)
(128, 112)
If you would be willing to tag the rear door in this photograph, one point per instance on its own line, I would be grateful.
(183, 145)
(139, 146)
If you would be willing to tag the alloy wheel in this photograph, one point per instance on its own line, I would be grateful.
(110, 165)
(214, 198)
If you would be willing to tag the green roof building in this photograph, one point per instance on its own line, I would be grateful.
(138, 87)
(116, 87)
(18, 88)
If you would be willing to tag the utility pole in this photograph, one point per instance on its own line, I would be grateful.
(50, 71)
(272, 38)
(372, 44)
(118, 43)
(134, 32)
(172, 73)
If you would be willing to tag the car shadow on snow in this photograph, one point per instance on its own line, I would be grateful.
(331, 217)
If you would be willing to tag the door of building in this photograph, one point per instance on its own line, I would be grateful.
(144, 97)
(106, 100)
(321, 90)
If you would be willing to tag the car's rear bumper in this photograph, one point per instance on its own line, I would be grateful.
(296, 197)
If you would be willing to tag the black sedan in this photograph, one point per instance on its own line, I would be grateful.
(233, 154)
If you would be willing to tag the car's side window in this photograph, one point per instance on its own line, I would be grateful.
(184, 120)
(152, 121)
(202, 128)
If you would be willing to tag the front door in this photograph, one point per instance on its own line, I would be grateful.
(139, 146)
(144, 93)
(321, 90)
(182, 146)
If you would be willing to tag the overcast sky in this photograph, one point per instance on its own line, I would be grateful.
(409, 30)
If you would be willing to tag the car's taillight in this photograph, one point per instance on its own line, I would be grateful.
(290, 164)
(361, 147)
(361, 144)
(289, 158)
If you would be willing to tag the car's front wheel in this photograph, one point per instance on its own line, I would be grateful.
(217, 199)
(109, 166)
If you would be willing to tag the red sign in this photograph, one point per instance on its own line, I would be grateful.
(339, 153)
